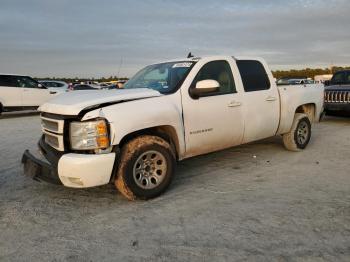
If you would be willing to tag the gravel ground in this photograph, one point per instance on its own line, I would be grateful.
(254, 202)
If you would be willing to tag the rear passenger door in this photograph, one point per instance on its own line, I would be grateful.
(10, 94)
(261, 101)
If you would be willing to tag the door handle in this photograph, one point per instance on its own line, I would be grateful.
(271, 98)
(52, 92)
(234, 104)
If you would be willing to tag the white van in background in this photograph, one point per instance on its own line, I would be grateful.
(22, 93)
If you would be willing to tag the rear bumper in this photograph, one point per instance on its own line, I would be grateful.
(71, 170)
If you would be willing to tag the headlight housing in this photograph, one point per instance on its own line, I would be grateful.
(89, 135)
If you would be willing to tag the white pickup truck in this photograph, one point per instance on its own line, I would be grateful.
(167, 112)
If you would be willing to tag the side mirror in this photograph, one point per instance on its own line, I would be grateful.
(204, 87)
(327, 83)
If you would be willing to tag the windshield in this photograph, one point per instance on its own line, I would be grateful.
(165, 77)
(341, 78)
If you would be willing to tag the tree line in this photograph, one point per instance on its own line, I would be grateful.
(307, 72)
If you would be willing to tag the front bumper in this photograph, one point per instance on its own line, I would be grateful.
(38, 169)
(337, 106)
(83, 170)
(71, 170)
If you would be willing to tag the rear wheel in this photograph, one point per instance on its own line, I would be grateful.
(300, 133)
(146, 168)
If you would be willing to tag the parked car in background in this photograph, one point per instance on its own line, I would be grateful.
(121, 83)
(108, 85)
(104, 85)
(168, 112)
(337, 93)
(18, 92)
(113, 86)
(115, 83)
(295, 81)
(322, 78)
(83, 87)
(55, 85)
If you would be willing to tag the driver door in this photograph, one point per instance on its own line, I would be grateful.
(213, 121)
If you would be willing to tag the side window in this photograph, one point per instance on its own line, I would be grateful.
(50, 84)
(25, 82)
(254, 76)
(219, 71)
(7, 81)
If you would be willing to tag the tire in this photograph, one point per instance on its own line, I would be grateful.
(299, 136)
(146, 168)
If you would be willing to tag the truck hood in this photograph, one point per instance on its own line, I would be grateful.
(72, 103)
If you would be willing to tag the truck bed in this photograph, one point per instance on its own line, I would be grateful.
(291, 96)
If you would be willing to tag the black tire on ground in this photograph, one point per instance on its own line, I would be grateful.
(146, 168)
(299, 136)
(1, 109)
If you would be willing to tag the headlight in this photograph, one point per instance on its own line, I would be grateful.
(89, 135)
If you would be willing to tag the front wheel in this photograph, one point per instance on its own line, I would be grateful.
(299, 135)
(146, 167)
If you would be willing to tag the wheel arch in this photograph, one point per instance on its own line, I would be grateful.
(287, 116)
(309, 110)
(166, 132)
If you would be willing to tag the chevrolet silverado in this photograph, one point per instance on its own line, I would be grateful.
(167, 112)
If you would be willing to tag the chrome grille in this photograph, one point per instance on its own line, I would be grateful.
(337, 96)
(52, 140)
(49, 125)
(53, 132)
(52, 125)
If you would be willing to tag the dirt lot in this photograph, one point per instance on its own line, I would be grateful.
(254, 202)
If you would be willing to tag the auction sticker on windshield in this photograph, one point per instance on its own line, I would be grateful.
(186, 64)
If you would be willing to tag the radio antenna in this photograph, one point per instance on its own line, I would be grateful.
(120, 66)
(190, 55)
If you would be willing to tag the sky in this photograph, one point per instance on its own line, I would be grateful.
(85, 38)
